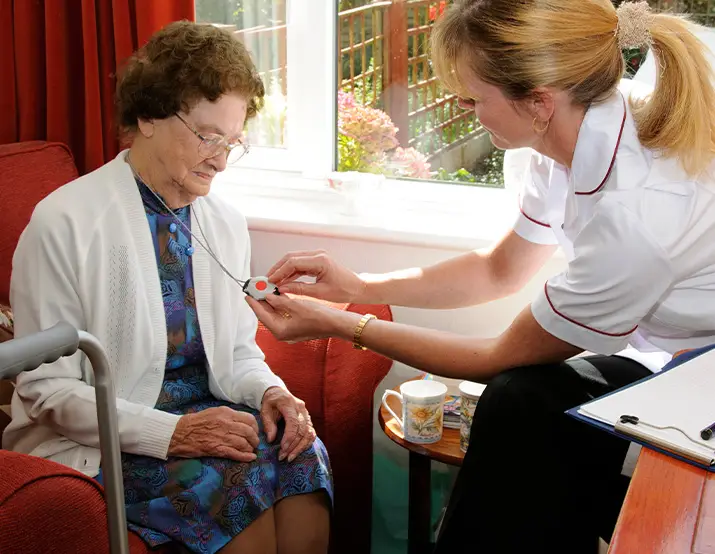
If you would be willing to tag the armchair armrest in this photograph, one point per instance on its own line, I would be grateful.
(48, 507)
(45, 506)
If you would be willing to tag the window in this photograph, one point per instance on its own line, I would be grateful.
(295, 130)
(391, 115)
(261, 26)
(350, 87)
(394, 117)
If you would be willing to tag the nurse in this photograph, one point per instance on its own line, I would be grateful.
(618, 175)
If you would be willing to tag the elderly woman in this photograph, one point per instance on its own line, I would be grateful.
(621, 177)
(217, 454)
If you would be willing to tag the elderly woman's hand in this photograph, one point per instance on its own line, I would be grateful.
(299, 433)
(217, 432)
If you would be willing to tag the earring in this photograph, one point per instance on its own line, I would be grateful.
(542, 130)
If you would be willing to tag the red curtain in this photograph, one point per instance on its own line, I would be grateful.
(58, 59)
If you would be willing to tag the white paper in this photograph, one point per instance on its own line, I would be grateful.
(683, 398)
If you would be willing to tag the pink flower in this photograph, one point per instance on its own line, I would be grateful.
(410, 163)
(373, 128)
(345, 101)
(370, 142)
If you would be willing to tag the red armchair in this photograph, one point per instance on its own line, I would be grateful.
(47, 507)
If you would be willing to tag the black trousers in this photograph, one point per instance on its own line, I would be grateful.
(535, 480)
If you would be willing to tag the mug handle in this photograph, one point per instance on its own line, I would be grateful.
(390, 392)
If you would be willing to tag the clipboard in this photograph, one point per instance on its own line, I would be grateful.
(653, 409)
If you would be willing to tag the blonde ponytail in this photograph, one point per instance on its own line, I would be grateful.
(679, 117)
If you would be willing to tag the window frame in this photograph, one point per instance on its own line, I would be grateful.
(311, 99)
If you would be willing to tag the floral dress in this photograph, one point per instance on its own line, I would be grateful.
(202, 503)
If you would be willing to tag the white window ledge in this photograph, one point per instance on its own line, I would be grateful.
(442, 216)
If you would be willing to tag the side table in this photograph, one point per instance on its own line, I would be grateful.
(447, 451)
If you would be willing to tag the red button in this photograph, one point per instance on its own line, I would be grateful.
(261, 285)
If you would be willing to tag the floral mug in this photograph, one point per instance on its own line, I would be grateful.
(469, 394)
(422, 410)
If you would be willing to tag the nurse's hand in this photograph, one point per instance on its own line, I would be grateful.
(295, 320)
(333, 282)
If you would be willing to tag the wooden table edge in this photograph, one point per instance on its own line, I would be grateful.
(663, 508)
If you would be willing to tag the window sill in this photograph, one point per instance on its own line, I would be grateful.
(413, 213)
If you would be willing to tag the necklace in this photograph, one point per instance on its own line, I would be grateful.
(190, 249)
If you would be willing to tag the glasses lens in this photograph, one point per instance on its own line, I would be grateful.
(210, 146)
(236, 153)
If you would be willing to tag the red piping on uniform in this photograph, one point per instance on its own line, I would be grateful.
(558, 313)
(527, 216)
(613, 160)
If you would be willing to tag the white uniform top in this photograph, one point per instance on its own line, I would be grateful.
(638, 234)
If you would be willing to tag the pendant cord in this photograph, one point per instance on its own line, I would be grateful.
(206, 247)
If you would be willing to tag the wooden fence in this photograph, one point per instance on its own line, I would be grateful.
(363, 61)
(384, 61)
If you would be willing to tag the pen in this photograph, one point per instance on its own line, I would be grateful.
(708, 432)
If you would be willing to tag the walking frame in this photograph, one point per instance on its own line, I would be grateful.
(30, 352)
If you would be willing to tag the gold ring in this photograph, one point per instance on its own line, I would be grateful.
(286, 315)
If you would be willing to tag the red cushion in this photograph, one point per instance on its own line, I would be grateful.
(29, 171)
(47, 507)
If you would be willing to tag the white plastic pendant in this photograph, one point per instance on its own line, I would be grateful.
(259, 287)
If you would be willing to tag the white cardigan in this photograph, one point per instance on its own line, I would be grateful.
(87, 257)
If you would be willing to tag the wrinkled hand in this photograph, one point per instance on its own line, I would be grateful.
(219, 432)
(299, 433)
(295, 320)
(333, 282)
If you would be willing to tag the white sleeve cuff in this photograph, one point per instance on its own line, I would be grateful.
(156, 434)
(533, 230)
(579, 334)
(254, 384)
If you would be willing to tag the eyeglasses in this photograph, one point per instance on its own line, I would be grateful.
(212, 145)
